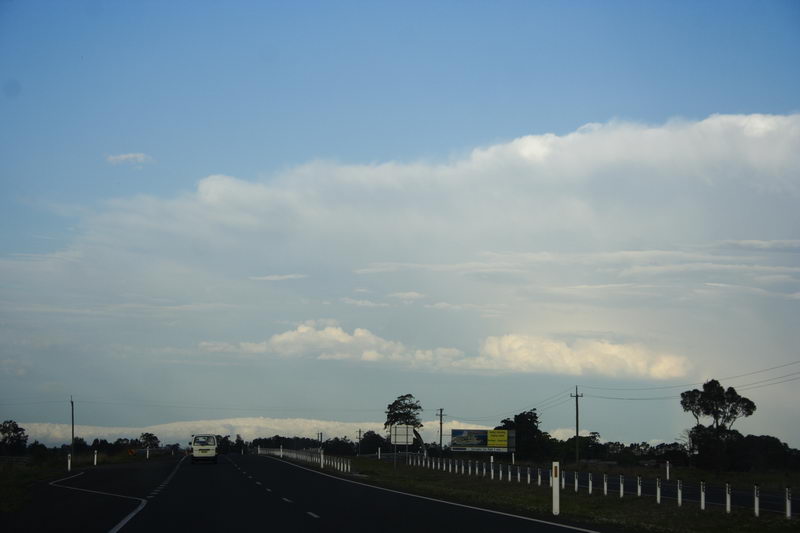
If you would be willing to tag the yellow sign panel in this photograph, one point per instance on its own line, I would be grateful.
(497, 438)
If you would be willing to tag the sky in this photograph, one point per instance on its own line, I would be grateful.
(272, 217)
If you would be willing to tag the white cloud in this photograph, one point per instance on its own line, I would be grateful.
(410, 296)
(524, 353)
(567, 433)
(363, 303)
(278, 277)
(509, 353)
(678, 238)
(133, 159)
(248, 427)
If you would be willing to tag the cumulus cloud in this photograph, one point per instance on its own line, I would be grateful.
(509, 353)
(524, 353)
(130, 159)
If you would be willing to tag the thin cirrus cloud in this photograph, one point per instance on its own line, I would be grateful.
(278, 277)
(137, 158)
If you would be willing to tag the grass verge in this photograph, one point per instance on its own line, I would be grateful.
(604, 512)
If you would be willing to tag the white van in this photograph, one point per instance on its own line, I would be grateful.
(203, 448)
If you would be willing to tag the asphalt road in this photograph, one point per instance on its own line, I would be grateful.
(242, 493)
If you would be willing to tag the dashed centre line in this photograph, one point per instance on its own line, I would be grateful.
(287, 500)
(309, 513)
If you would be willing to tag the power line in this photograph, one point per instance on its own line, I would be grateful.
(746, 386)
(691, 384)
(539, 406)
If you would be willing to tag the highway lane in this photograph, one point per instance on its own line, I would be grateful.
(264, 492)
(65, 505)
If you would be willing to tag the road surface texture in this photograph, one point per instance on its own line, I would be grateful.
(243, 493)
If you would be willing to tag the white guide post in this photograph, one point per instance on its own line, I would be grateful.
(590, 483)
(539, 477)
(728, 498)
(680, 493)
(529, 475)
(69, 462)
(322, 458)
(667, 470)
(576, 482)
(379, 452)
(621, 486)
(789, 503)
(702, 495)
(148, 452)
(756, 498)
(658, 490)
(513, 462)
(605, 484)
(639, 486)
(554, 475)
(491, 467)
(95, 458)
(563, 481)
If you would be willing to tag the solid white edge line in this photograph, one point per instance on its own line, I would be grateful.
(574, 528)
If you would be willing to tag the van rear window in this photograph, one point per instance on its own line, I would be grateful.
(205, 440)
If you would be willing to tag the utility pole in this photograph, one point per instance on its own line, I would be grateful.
(577, 425)
(441, 414)
(72, 442)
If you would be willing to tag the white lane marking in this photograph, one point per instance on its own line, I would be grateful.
(312, 514)
(130, 515)
(287, 500)
(269, 490)
(433, 499)
(258, 483)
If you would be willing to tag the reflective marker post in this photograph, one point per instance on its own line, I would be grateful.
(702, 495)
(576, 482)
(756, 498)
(554, 476)
(680, 493)
(621, 485)
(789, 502)
(728, 498)
(658, 490)
(590, 483)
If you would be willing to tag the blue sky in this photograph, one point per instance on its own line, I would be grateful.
(204, 196)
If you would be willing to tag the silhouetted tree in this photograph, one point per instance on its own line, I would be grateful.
(404, 410)
(13, 438)
(723, 406)
(370, 441)
(149, 440)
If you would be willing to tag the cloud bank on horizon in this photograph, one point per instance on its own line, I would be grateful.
(620, 250)
(248, 428)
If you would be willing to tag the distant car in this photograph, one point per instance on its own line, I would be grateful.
(203, 448)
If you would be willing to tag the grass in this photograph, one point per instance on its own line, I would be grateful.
(626, 514)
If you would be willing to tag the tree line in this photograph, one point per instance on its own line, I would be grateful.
(715, 445)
